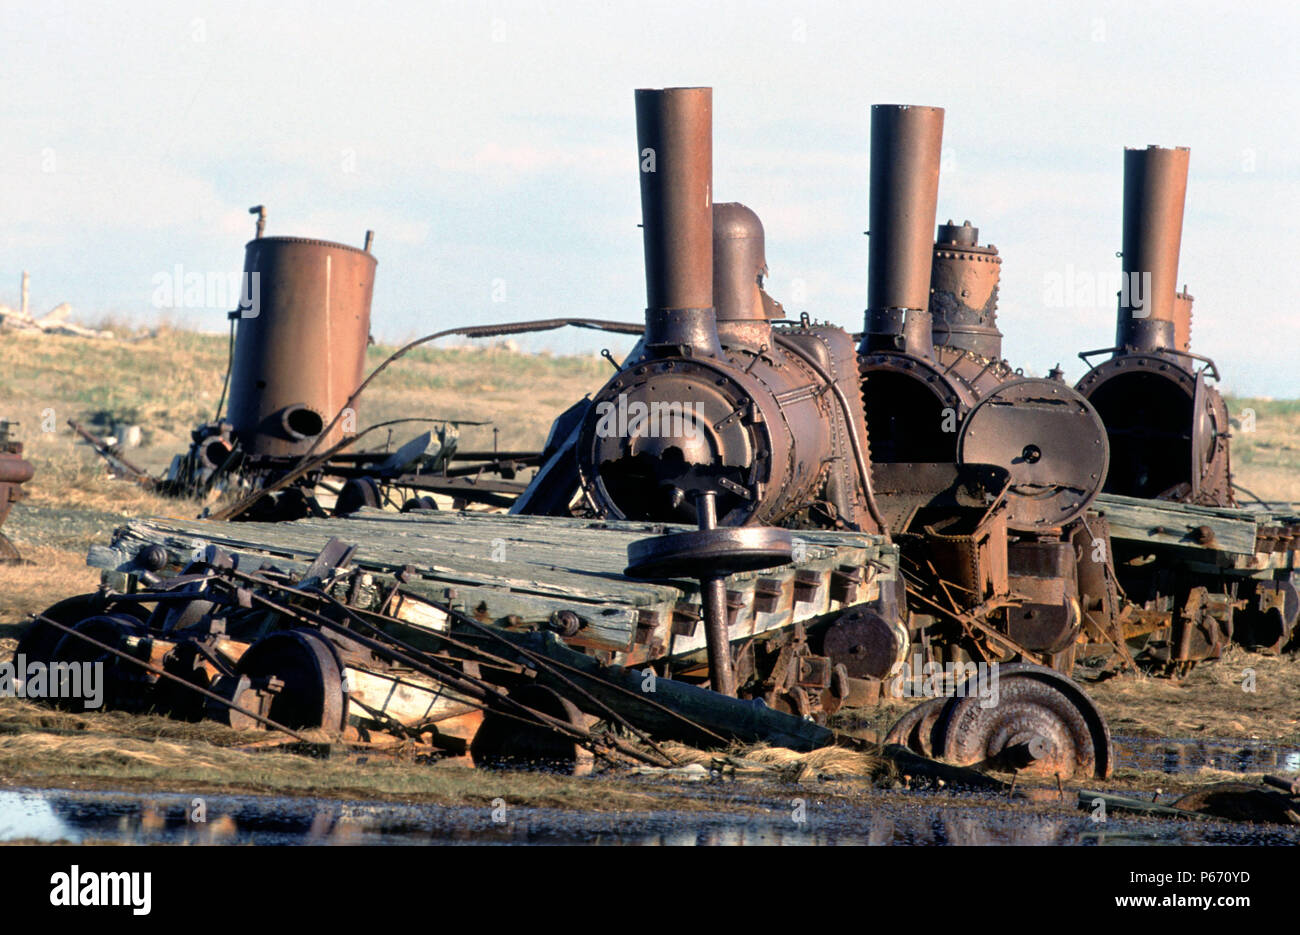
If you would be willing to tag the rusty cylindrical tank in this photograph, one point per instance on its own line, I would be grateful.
(301, 342)
(906, 146)
(964, 292)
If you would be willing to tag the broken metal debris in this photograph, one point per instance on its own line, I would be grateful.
(14, 472)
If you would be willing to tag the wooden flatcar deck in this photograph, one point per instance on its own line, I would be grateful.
(527, 568)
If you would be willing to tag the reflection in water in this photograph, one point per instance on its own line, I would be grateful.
(1184, 755)
(911, 818)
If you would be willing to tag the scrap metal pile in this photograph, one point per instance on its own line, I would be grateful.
(718, 515)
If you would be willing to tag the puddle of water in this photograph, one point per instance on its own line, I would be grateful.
(909, 819)
(1187, 755)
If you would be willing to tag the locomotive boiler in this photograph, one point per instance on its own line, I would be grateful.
(718, 402)
(982, 474)
(934, 384)
(1168, 426)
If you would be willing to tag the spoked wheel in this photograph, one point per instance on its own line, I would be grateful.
(505, 742)
(294, 678)
(83, 676)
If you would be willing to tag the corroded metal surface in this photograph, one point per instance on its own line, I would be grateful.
(964, 291)
(906, 144)
(300, 347)
(1155, 189)
(14, 472)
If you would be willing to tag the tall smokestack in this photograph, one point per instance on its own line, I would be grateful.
(1155, 188)
(905, 150)
(674, 128)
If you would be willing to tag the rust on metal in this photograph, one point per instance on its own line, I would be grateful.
(300, 342)
(674, 128)
(14, 472)
(1155, 189)
(964, 291)
(906, 143)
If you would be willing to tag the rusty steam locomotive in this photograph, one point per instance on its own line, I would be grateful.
(855, 498)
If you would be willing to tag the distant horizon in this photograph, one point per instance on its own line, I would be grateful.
(454, 343)
(493, 153)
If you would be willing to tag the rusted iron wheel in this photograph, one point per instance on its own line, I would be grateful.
(38, 640)
(915, 729)
(1041, 725)
(707, 552)
(357, 493)
(505, 742)
(294, 678)
(865, 643)
(419, 503)
(123, 685)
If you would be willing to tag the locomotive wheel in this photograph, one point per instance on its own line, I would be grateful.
(309, 693)
(38, 641)
(503, 742)
(419, 503)
(1042, 725)
(122, 685)
(709, 552)
(915, 729)
(357, 493)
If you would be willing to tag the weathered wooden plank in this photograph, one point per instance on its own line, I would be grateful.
(1173, 524)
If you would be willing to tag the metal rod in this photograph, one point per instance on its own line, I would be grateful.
(713, 600)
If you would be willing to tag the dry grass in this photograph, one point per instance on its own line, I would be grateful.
(27, 589)
(105, 761)
(1266, 450)
(42, 746)
(826, 763)
(1210, 702)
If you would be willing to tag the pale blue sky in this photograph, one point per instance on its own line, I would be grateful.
(496, 141)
